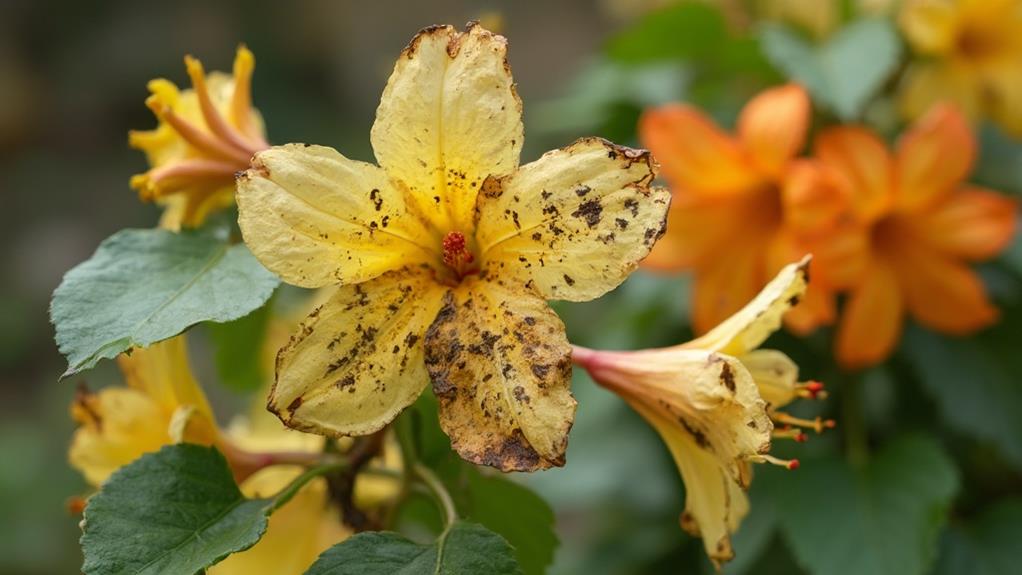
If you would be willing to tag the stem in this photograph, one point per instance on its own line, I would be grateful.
(439, 491)
(297, 483)
(853, 421)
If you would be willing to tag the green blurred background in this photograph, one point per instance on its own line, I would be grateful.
(72, 83)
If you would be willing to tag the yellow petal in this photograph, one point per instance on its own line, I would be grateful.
(500, 365)
(928, 83)
(747, 329)
(930, 27)
(448, 118)
(296, 534)
(775, 374)
(119, 425)
(316, 218)
(163, 373)
(574, 223)
(714, 503)
(356, 361)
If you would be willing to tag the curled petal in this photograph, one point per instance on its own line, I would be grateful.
(773, 127)
(356, 361)
(973, 223)
(448, 119)
(501, 369)
(574, 223)
(933, 158)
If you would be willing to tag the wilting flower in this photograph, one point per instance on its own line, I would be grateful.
(714, 401)
(921, 224)
(445, 255)
(206, 134)
(743, 206)
(163, 404)
(971, 55)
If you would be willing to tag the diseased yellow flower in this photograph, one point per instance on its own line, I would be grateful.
(714, 401)
(971, 55)
(206, 134)
(446, 255)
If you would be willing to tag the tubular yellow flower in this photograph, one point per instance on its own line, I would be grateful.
(445, 255)
(205, 135)
(714, 401)
(971, 55)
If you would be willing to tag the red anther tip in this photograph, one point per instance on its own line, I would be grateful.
(793, 464)
(801, 438)
(830, 424)
(814, 386)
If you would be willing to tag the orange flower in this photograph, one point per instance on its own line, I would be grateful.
(920, 225)
(743, 205)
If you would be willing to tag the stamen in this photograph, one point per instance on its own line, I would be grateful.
(214, 120)
(193, 135)
(785, 463)
(818, 424)
(175, 176)
(456, 253)
(811, 390)
(241, 100)
(788, 432)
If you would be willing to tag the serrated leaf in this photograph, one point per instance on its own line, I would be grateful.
(516, 513)
(883, 519)
(990, 544)
(464, 549)
(238, 350)
(978, 392)
(144, 286)
(174, 511)
(843, 73)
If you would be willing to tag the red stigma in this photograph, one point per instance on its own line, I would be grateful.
(793, 464)
(456, 253)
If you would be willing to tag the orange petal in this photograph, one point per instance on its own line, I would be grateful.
(933, 157)
(694, 154)
(773, 127)
(942, 294)
(862, 165)
(872, 319)
(974, 223)
(723, 287)
(817, 306)
(696, 229)
(813, 200)
(841, 255)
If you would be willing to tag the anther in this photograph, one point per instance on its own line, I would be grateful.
(788, 432)
(456, 253)
(811, 390)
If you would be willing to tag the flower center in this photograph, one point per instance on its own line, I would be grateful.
(977, 43)
(457, 256)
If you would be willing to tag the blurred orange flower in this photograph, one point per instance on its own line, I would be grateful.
(973, 56)
(920, 224)
(743, 206)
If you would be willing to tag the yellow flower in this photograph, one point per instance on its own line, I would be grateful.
(162, 404)
(714, 402)
(206, 134)
(972, 56)
(445, 256)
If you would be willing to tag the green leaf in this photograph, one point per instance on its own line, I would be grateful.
(882, 519)
(989, 545)
(238, 350)
(684, 31)
(144, 286)
(843, 73)
(516, 513)
(464, 549)
(174, 511)
(977, 389)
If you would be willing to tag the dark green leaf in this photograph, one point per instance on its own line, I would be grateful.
(143, 286)
(174, 511)
(843, 73)
(516, 513)
(989, 545)
(882, 519)
(238, 349)
(465, 549)
(977, 389)
(686, 31)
